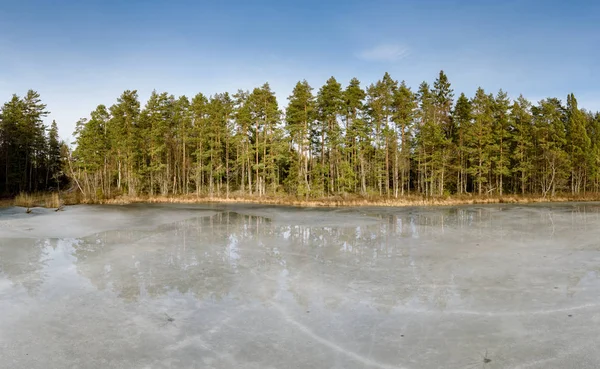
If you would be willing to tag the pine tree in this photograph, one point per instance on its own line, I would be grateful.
(219, 109)
(124, 138)
(429, 134)
(579, 145)
(300, 115)
(501, 140)
(54, 157)
(91, 155)
(593, 131)
(266, 116)
(154, 132)
(13, 154)
(329, 107)
(33, 139)
(380, 100)
(478, 137)
(357, 135)
(405, 105)
(442, 128)
(24, 144)
(550, 136)
(522, 138)
(199, 115)
(462, 121)
(243, 119)
(183, 131)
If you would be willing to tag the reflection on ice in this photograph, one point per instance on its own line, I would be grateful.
(255, 286)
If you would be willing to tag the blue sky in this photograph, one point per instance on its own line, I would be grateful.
(79, 54)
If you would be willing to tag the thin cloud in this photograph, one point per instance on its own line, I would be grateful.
(384, 53)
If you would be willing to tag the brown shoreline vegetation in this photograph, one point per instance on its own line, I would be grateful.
(53, 200)
(30, 200)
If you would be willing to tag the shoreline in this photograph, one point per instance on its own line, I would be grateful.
(339, 202)
(39, 200)
(355, 202)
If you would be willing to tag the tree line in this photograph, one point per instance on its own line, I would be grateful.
(30, 152)
(384, 139)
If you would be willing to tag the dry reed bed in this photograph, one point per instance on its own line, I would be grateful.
(46, 200)
(54, 200)
(333, 202)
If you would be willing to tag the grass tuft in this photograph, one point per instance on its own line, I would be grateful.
(25, 200)
(46, 200)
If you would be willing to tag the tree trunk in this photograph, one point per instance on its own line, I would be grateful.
(257, 177)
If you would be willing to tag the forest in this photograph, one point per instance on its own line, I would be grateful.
(31, 154)
(382, 140)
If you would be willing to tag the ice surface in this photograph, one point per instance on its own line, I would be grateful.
(247, 286)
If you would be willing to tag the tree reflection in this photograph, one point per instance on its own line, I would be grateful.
(419, 258)
(22, 261)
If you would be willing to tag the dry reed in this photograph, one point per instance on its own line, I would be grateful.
(47, 200)
(54, 200)
(410, 200)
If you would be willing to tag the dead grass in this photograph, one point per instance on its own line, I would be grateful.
(410, 200)
(6, 202)
(47, 200)
(54, 200)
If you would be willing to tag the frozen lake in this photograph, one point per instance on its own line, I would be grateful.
(241, 286)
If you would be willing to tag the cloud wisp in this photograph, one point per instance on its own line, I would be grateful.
(384, 53)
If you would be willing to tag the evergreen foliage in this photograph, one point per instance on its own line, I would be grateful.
(30, 152)
(385, 139)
